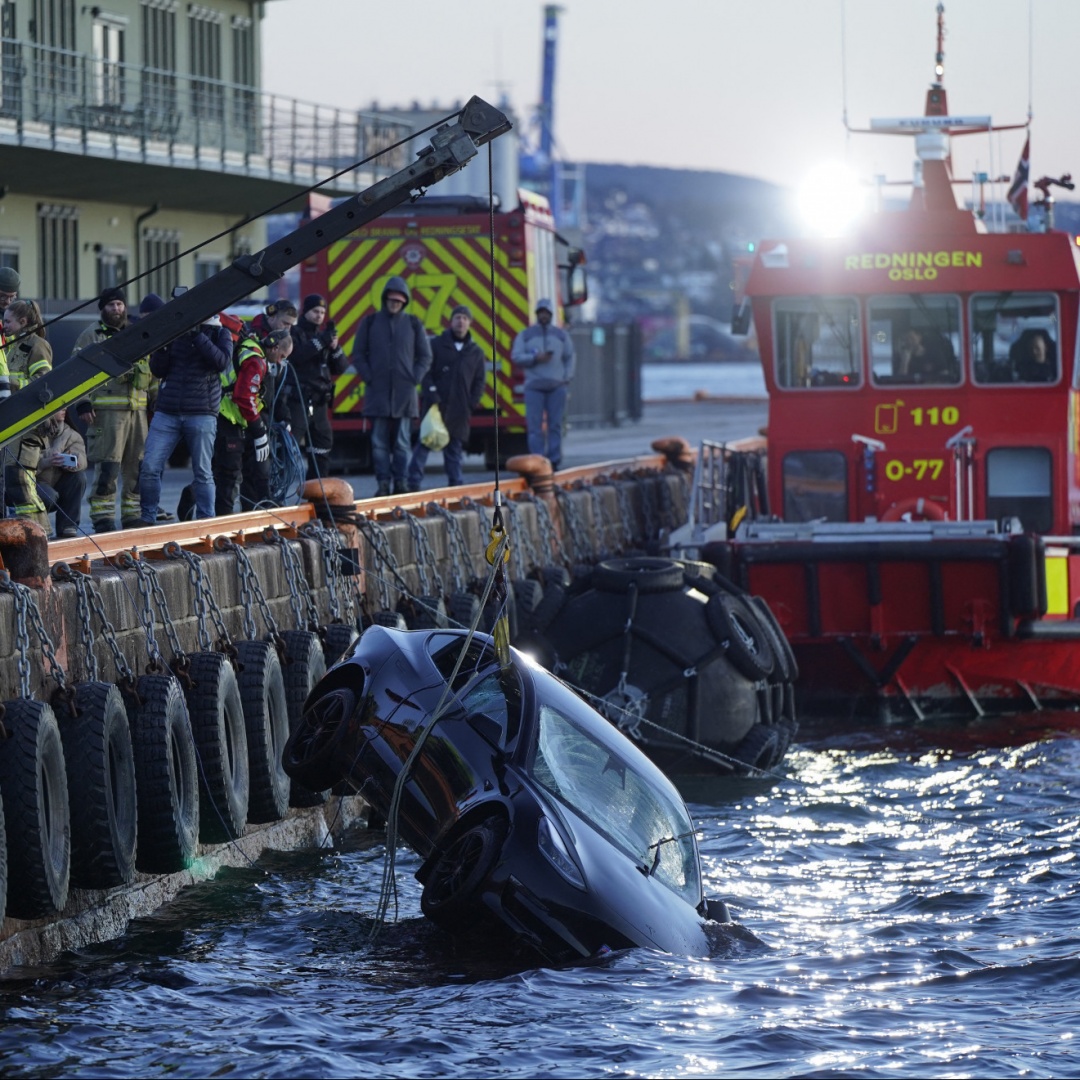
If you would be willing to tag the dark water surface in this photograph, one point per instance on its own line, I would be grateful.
(917, 894)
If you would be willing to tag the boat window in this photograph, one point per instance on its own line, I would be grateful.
(914, 339)
(1014, 338)
(605, 789)
(815, 486)
(818, 342)
(1018, 484)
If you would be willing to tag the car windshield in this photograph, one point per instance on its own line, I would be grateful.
(621, 803)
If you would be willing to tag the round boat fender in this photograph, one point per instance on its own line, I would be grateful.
(37, 821)
(450, 891)
(101, 783)
(732, 620)
(217, 722)
(305, 665)
(338, 639)
(649, 575)
(759, 749)
(166, 775)
(311, 755)
(917, 508)
(266, 719)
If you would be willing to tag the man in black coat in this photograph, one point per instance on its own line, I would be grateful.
(391, 354)
(456, 384)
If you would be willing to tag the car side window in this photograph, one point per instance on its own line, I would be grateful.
(498, 695)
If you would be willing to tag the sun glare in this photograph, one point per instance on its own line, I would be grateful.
(831, 198)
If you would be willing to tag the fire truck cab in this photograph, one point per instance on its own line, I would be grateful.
(440, 245)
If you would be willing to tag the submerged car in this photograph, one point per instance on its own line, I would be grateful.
(524, 803)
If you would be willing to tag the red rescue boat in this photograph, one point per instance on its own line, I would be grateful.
(922, 458)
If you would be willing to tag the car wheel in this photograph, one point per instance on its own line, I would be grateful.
(450, 892)
(311, 755)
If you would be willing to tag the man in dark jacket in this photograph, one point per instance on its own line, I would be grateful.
(316, 360)
(391, 353)
(455, 383)
(187, 408)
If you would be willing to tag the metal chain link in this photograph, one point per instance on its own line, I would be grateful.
(150, 586)
(459, 551)
(384, 556)
(527, 542)
(204, 598)
(647, 487)
(576, 526)
(626, 512)
(249, 587)
(84, 584)
(426, 562)
(26, 607)
(86, 629)
(667, 507)
(314, 531)
(551, 543)
(301, 599)
(600, 523)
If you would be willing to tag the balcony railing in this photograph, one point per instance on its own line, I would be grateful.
(70, 101)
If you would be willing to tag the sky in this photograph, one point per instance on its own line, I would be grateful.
(755, 87)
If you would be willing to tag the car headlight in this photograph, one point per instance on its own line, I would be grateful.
(554, 849)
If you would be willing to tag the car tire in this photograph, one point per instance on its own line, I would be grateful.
(451, 891)
(311, 755)
(647, 575)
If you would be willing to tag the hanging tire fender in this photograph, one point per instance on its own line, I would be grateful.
(37, 820)
(217, 722)
(305, 665)
(101, 784)
(266, 720)
(338, 639)
(733, 622)
(166, 776)
(649, 575)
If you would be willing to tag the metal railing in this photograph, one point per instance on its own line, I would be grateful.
(74, 102)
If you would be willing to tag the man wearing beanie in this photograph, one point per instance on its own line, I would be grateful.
(317, 358)
(115, 417)
(391, 353)
(455, 383)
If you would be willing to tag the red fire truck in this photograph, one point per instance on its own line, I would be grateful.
(440, 245)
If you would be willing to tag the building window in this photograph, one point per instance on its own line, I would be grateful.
(9, 254)
(204, 30)
(58, 251)
(107, 41)
(55, 68)
(159, 56)
(161, 250)
(112, 268)
(206, 268)
(10, 68)
(243, 57)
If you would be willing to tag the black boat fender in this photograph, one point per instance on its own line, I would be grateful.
(733, 621)
(101, 783)
(37, 821)
(266, 719)
(217, 722)
(166, 775)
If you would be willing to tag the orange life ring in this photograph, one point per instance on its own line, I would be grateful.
(918, 507)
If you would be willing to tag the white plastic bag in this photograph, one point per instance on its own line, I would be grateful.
(433, 433)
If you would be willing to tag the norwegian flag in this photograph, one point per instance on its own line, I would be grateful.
(1018, 192)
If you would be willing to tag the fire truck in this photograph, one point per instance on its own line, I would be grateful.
(440, 246)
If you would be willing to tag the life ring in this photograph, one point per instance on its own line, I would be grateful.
(450, 891)
(305, 665)
(217, 722)
(266, 717)
(166, 776)
(918, 507)
(311, 755)
(37, 820)
(101, 783)
(733, 622)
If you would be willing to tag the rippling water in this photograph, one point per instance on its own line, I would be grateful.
(916, 893)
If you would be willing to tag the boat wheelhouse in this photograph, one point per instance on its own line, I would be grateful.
(923, 550)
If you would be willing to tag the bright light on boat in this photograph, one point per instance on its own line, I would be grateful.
(831, 198)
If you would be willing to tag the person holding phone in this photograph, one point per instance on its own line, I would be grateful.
(61, 474)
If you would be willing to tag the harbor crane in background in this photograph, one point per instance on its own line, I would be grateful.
(563, 184)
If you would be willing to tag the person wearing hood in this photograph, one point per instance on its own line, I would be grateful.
(115, 414)
(391, 353)
(547, 355)
(317, 359)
